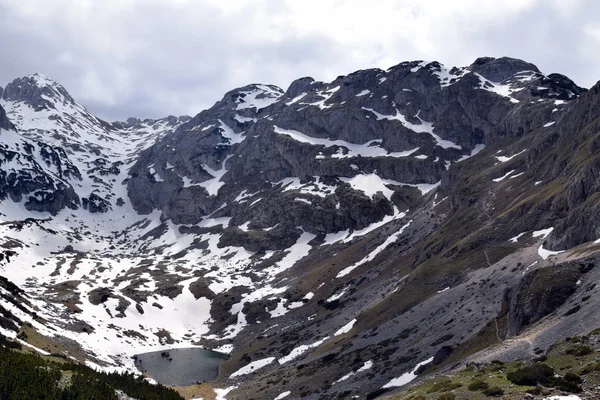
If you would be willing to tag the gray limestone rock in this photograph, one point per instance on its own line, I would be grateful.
(4, 121)
(34, 91)
(499, 69)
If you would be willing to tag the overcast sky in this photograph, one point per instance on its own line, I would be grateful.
(151, 58)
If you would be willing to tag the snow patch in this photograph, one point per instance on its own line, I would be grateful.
(298, 351)
(504, 159)
(346, 328)
(352, 149)
(423, 127)
(253, 367)
(391, 239)
(407, 377)
(283, 395)
(504, 176)
(516, 238)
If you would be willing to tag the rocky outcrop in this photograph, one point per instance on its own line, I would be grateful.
(500, 69)
(42, 190)
(543, 291)
(4, 121)
(37, 91)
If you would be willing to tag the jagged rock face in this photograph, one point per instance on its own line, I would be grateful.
(540, 293)
(500, 69)
(22, 176)
(395, 127)
(88, 157)
(4, 122)
(37, 91)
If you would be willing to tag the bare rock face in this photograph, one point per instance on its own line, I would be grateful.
(540, 293)
(4, 122)
(43, 190)
(29, 90)
(500, 69)
(376, 128)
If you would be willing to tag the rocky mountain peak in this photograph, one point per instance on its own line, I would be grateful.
(38, 91)
(500, 69)
(254, 96)
(299, 86)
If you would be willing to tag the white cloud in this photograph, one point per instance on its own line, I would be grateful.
(155, 57)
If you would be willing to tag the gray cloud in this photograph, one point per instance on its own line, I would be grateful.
(150, 58)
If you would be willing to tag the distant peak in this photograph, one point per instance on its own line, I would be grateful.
(37, 90)
(42, 80)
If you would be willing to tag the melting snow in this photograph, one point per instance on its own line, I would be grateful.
(366, 366)
(407, 377)
(213, 185)
(253, 367)
(547, 253)
(338, 296)
(391, 239)
(447, 78)
(326, 94)
(242, 120)
(516, 238)
(298, 351)
(346, 328)
(229, 133)
(295, 254)
(502, 90)
(263, 96)
(475, 151)
(504, 176)
(301, 200)
(353, 149)
(423, 127)
(504, 159)
(221, 393)
(543, 233)
(296, 99)
(371, 184)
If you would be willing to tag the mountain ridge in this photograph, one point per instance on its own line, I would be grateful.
(332, 223)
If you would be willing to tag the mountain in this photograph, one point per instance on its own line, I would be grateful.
(330, 237)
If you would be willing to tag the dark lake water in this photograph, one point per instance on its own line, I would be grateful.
(182, 367)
